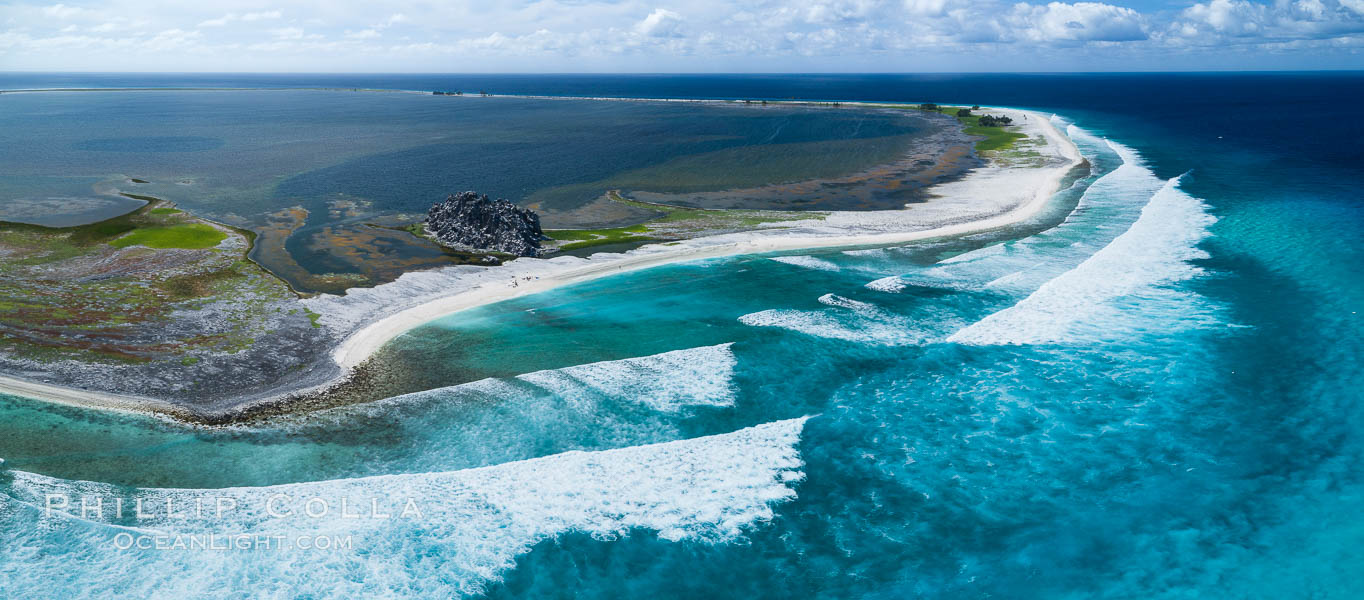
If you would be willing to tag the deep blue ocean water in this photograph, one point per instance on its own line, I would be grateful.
(1151, 391)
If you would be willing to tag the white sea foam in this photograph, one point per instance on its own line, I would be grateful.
(1020, 266)
(865, 308)
(808, 262)
(469, 526)
(666, 382)
(1152, 253)
(891, 284)
(855, 321)
(876, 252)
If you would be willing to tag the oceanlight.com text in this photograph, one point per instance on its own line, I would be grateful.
(238, 542)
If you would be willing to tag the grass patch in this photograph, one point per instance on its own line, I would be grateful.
(572, 239)
(313, 317)
(193, 236)
(165, 210)
(996, 138)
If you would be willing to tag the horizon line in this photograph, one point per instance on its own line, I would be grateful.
(690, 73)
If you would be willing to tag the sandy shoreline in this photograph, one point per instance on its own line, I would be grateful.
(363, 343)
(366, 319)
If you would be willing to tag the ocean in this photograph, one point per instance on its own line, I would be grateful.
(1150, 390)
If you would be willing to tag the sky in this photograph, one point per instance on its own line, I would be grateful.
(699, 36)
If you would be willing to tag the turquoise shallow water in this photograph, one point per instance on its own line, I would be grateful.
(1152, 391)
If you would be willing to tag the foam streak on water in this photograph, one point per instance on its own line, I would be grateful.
(890, 284)
(808, 262)
(666, 382)
(849, 320)
(471, 527)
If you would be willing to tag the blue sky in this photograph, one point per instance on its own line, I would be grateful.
(680, 36)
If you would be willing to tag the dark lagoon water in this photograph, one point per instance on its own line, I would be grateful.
(350, 157)
(1153, 391)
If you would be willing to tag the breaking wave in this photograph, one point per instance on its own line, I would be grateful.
(808, 262)
(891, 284)
(853, 321)
(1153, 252)
(446, 534)
(666, 382)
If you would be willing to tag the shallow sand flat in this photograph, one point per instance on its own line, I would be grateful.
(367, 318)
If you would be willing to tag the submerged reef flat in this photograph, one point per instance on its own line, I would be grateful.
(155, 303)
(942, 154)
(665, 222)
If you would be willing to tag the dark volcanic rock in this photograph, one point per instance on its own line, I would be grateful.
(468, 220)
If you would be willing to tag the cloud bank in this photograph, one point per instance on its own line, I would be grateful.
(699, 35)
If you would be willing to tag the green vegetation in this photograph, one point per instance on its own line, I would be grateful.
(996, 138)
(584, 238)
(193, 235)
(72, 292)
(997, 135)
(313, 317)
(198, 285)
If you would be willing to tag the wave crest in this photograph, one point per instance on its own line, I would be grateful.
(1153, 252)
(477, 521)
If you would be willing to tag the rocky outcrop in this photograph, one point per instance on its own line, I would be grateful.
(473, 221)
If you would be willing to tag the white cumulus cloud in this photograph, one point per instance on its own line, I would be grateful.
(1082, 21)
(661, 23)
